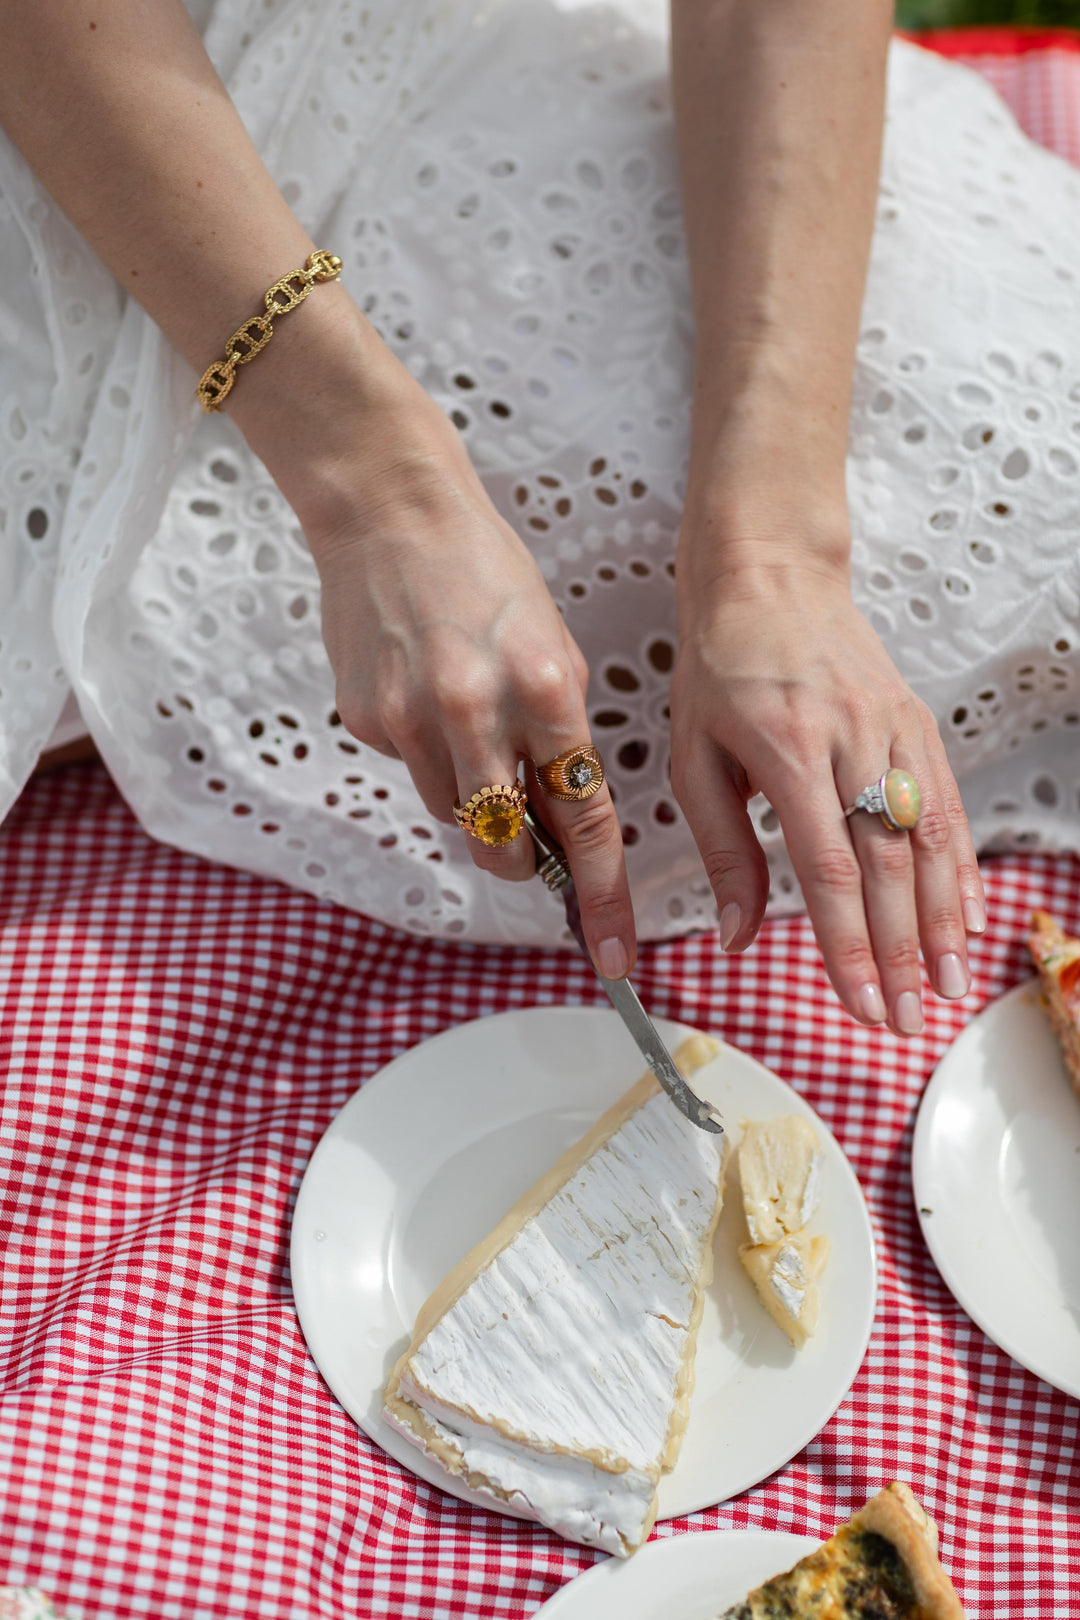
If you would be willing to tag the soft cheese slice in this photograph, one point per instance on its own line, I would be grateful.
(553, 1367)
(785, 1275)
(882, 1563)
(1057, 957)
(780, 1164)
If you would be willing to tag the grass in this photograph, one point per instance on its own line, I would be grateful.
(960, 13)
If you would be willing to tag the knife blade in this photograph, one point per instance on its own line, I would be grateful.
(554, 868)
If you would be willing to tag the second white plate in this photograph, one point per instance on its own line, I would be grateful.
(996, 1171)
(689, 1577)
(434, 1150)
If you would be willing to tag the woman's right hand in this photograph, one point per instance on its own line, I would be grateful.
(448, 650)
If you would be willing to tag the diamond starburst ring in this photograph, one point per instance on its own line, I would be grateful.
(577, 773)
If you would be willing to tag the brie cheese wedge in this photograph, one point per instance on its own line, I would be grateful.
(785, 1275)
(552, 1369)
(780, 1164)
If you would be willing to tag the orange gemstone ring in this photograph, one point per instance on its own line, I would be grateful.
(576, 774)
(895, 797)
(495, 815)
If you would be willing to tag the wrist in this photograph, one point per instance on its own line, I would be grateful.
(331, 412)
(757, 532)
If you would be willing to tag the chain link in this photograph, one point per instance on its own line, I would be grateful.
(251, 338)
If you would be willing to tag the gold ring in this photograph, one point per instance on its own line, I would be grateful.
(576, 774)
(895, 797)
(495, 815)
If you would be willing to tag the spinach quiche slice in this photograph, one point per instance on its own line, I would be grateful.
(881, 1565)
(1057, 957)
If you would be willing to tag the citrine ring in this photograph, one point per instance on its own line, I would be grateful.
(495, 815)
(895, 797)
(576, 774)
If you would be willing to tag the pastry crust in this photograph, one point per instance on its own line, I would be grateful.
(1057, 956)
(853, 1576)
(898, 1515)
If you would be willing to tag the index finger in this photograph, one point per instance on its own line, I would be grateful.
(588, 829)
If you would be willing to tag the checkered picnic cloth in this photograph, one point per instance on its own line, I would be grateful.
(175, 1038)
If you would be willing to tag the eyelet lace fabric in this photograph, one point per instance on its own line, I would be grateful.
(500, 182)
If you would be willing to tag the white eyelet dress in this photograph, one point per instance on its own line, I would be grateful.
(500, 181)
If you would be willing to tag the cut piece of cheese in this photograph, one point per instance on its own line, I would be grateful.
(882, 1563)
(780, 1162)
(552, 1369)
(785, 1275)
(1057, 957)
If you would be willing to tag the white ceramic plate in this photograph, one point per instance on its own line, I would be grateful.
(996, 1170)
(691, 1577)
(427, 1158)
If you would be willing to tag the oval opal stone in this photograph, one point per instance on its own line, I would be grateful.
(902, 797)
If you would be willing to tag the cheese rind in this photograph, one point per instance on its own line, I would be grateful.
(553, 1367)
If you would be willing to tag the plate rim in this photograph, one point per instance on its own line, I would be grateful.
(936, 1089)
(580, 1587)
(672, 1030)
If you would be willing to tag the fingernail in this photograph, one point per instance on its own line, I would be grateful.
(872, 1003)
(908, 1014)
(974, 915)
(952, 976)
(611, 958)
(730, 918)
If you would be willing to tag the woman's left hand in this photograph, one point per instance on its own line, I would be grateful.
(782, 688)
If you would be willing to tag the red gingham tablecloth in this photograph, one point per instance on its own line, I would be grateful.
(176, 1036)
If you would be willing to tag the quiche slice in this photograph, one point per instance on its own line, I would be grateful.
(1057, 957)
(552, 1369)
(881, 1565)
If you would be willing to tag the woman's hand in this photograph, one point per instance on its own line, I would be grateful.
(447, 648)
(782, 688)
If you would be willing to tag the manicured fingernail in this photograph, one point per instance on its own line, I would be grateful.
(974, 915)
(730, 918)
(952, 976)
(872, 1003)
(611, 958)
(908, 1014)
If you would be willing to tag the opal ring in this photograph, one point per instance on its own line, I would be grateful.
(895, 797)
(576, 774)
(495, 815)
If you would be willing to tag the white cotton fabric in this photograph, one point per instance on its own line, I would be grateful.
(500, 182)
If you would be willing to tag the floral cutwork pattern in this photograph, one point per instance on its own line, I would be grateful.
(504, 194)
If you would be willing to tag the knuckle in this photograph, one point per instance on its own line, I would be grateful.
(888, 856)
(721, 865)
(462, 694)
(933, 830)
(900, 959)
(359, 719)
(852, 960)
(835, 867)
(594, 829)
(942, 922)
(545, 679)
(397, 716)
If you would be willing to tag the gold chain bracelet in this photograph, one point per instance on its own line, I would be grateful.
(251, 338)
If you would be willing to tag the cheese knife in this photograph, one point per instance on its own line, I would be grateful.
(554, 868)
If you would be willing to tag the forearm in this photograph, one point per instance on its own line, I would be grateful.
(779, 109)
(118, 110)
